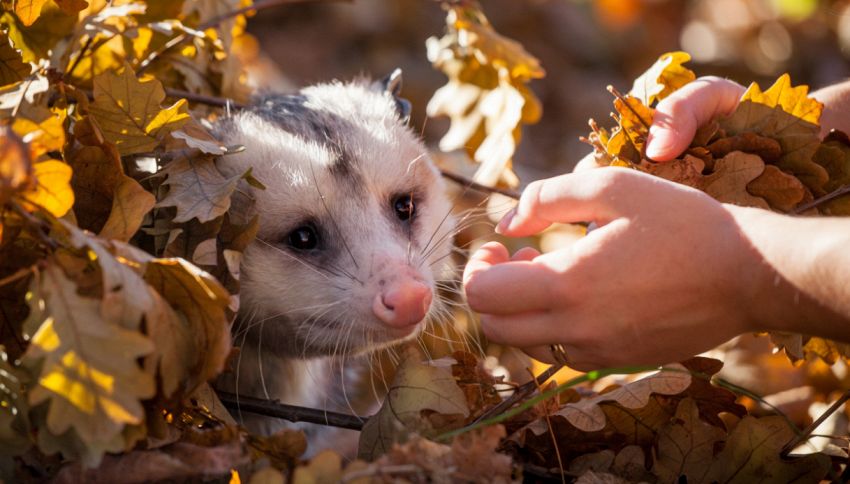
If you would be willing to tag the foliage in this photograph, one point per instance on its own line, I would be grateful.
(119, 267)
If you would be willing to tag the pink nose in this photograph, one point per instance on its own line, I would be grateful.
(403, 303)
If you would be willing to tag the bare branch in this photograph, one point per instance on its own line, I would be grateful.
(820, 201)
(291, 413)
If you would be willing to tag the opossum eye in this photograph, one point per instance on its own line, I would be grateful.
(303, 238)
(404, 207)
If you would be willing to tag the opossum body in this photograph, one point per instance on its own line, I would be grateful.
(354, 234)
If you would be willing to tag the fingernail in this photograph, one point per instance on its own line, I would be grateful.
(505, 223)
(660, 142)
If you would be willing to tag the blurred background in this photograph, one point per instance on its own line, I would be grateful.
(584, 45)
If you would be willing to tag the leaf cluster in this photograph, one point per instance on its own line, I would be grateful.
(119, 264)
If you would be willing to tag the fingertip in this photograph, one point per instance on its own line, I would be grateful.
(489, 254)
(664, 144)
(525, 254)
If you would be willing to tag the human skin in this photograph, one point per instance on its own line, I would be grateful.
(669, 272)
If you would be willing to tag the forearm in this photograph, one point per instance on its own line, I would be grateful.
(804, 282)
(836, 100)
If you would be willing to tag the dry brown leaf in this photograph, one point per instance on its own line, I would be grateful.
(197, 189)
(685, 446)
(752, 454)
(731, 176)
(12, 66)
(419, 391)
(767, 148)
(130, 204)
(782, 191)
(586, 414)
(687, 170)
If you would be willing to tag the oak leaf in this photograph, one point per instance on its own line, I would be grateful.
(16, 170)
(685, 446)
(752, 454)
(587, 415)
(782, 191)
(417, 390)
(36, 41)
(731, 176)
(203, 302)
(197, 189)
(130, 204)
(687, 170)
(72, 7)
(129, 114)
(12, 66)
(663, 78)
(87, 367)
(789, 116)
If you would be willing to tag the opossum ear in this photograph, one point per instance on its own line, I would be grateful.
(392, 85)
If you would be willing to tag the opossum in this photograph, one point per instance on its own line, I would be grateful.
(354, 238)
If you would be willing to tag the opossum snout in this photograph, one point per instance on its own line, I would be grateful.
(402, 303)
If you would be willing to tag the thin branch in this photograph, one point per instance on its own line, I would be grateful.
(291, 413)
(19, 274)
(521, 393)
(184, 36)
(811, 428)
(820, 201)
(468, 183)
(36, 224)
(218, 102)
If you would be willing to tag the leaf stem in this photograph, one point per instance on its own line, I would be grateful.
(613, 90)
(820, 201)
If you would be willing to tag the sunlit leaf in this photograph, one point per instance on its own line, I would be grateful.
(663, 78)
(53, 190)
(129, 114)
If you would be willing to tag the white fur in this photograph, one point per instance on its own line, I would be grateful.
(300, 315)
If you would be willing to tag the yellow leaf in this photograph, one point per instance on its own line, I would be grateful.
(87, 368)
(789, 116)
(665, 76)
(28, 10)
(793, 100)
(130, 204)
(635, 120)
(494, 48)
(42, 128)
(53, 190)
(12, 66)
(129, 114)
(37, 40)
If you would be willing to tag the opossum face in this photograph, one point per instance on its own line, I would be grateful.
(355, 230)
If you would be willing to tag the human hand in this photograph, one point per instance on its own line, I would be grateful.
(678, 116)
(668, 273)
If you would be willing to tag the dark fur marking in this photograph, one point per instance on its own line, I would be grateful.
(292, 114)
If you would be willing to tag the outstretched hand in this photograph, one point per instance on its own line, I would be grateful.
(663, 277)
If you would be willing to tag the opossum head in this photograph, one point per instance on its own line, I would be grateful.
(355, 229)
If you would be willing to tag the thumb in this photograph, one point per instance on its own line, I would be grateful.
(678, 116)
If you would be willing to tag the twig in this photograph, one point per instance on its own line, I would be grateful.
(184, 36)
(19, 274)
(80, 56)
(820, 201)
(520, 394)
(291, 413)
(808, 430)
(218, 102)
(467, 183)
(37, 224)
